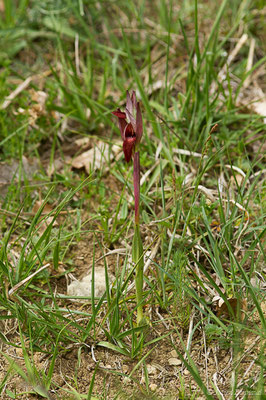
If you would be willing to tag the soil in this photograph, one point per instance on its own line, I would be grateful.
(166, 372)
(166, 376)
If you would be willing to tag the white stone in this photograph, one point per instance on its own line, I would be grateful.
(173, 353)
(174, 361)
(83, 287)
(153, 387)
(151, 369)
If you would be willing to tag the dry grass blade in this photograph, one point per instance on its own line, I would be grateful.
(18, 285)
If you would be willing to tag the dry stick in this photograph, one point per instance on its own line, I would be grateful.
(230, 58)
(204, 190)
(249, 62)
(20, 88)
(50, 213)
(248, 349)
(241, 358)
(245, 374)
(214, 379)
(262, 172)
(18, 285)
(122, 251)
(237, 169)
(162, 319)
(77, 55)
(14, 94)
(189, 338)
(92, 353)
(206, 357)
(204, 335)
(189, 153)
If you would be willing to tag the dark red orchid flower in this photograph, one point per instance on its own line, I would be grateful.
(130, 125)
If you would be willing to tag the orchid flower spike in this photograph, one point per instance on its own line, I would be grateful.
(130, 125)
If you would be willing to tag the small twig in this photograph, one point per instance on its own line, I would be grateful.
(30, 214)
(122, 251)
(232, 56)
(18, 285)
(16, 92)
(214, 379)
(205, 356)
(237, 169)
(188, 153)
(204, 190)
(249, 62)
(261, 172)
(77, 54)
(160, 220)
(190, 331)
(162, 319)
(243, 377)
(92, 353)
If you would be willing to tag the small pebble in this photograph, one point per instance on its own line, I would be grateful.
(173, 353)
(151, 369)
(153, 387)
(174, 361)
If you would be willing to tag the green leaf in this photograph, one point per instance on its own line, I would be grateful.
(113, 347)
(137, 247)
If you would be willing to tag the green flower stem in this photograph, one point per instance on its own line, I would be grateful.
(137, 247)
(138, 259)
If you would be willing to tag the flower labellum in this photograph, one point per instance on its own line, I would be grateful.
(130, 125)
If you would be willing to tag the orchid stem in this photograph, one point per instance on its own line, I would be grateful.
(136, 179)
(139, 261)
(137, 247)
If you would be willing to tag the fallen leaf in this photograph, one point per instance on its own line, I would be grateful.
(46, 210)
(237, 305)
(96, 157)
(38, 107)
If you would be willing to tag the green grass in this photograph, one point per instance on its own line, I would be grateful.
(202, 212)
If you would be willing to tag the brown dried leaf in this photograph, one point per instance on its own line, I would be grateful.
(46, 210)
(38, 107)
(95, 157)
(237, 305)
